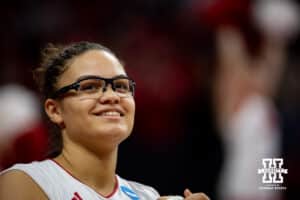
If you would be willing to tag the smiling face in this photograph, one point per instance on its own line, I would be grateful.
(101, 122)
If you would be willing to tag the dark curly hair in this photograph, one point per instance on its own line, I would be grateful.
(55, 61)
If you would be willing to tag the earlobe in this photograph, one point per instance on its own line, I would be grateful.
(53, 111)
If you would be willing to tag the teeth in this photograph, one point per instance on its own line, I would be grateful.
(110, 113)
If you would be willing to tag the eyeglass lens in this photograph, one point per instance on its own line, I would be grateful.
(121, 86)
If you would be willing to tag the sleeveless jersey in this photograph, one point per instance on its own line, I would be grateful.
(58, 184)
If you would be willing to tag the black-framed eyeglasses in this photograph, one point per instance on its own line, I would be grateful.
(94, 86)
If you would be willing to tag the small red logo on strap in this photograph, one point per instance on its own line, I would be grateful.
(76, 196)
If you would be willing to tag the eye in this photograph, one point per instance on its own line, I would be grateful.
(122, 86)
(90, 86)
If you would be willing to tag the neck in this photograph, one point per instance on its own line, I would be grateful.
(95, 170)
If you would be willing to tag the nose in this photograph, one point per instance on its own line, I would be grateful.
(109, 96)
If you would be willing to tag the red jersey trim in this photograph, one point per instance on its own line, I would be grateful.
(105, 196)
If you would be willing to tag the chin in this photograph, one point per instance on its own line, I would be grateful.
(118, 133)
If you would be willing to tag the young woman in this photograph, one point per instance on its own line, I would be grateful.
(89, 96)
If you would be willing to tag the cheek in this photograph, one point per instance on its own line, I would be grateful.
(74, 113)
(131, 112)
(129, 105)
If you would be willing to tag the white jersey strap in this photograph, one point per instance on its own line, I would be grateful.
(58, 184)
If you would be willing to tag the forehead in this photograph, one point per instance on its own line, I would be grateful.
(92, 62)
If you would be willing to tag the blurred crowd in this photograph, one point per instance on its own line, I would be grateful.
(217, 87)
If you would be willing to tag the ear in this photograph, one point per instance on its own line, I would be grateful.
(53, 111)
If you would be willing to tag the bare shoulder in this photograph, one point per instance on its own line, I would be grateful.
(18, 185)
